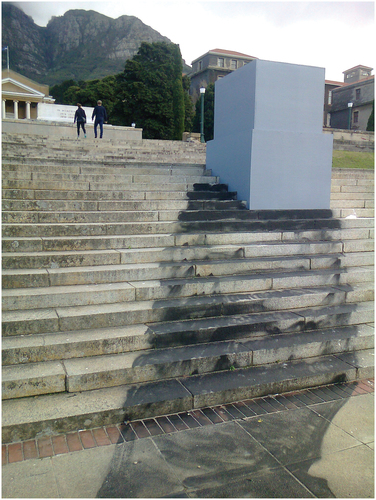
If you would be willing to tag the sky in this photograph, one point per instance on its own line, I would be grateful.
(335, 35)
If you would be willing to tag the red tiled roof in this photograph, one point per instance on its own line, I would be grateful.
(331, 82)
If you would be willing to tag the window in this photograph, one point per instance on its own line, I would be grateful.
(357, 94)
(234, 64)
(200, 65)
(330, 97)
(221, 62)
(219, 77)
(356, 116)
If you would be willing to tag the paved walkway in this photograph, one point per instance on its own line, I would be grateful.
(310, 443)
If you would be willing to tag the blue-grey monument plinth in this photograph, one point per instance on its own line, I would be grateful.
(268, 141)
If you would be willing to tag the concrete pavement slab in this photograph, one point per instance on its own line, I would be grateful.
(29, 479)
(343, 474)
(276, 483)
(322, 450)
(297, 435)
(356, 416)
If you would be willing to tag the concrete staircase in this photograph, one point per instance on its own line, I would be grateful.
(135, 285)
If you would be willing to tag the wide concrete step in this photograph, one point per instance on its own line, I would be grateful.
(94, 217)
(91, 185)
(124, 228)
(111, 292)
(358, 195)
(68, 318)
(85, 374)
(42, 206)
(352, 190)
(89, 267)
(345, 213)
(52, 346)
(38, 260)
(22, 419)
(104, 242)
(353, 204)
(109, 179)
(118, 194)
(102, 168)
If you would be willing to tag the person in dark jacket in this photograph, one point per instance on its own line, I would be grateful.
(100, 115)
(80, 118)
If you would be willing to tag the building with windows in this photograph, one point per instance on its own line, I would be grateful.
(214, 65)
(330, 85)
(352, 101)
(22, 96)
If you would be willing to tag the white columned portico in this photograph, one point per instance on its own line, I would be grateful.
(15, 109)
(28, 110)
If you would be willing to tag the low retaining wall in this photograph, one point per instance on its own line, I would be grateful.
(69, 130)
(352, 140)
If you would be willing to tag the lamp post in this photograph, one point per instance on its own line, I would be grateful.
(350, 105)
(202, 92)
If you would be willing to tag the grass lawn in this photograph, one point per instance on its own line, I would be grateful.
(353, 159)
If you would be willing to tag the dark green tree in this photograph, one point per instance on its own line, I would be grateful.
(208, 113)
(178, 104)
(88, 93)
(371, 119)
(57, 91)
(150, 91)
(189, 109)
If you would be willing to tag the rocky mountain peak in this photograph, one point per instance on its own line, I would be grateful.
(80, 45)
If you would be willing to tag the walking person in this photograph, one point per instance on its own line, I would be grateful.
(80, 118)
(100, 115)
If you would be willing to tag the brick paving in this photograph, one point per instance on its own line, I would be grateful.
(129, 431)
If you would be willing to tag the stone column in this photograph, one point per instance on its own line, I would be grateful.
(15, 104)
(28, 110)
(4, 112)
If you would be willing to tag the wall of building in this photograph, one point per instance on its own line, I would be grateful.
(361, 95)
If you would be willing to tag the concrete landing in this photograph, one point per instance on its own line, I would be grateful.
(316, 443)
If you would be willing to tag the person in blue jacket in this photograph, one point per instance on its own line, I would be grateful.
(100, 116)
(80, 118)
